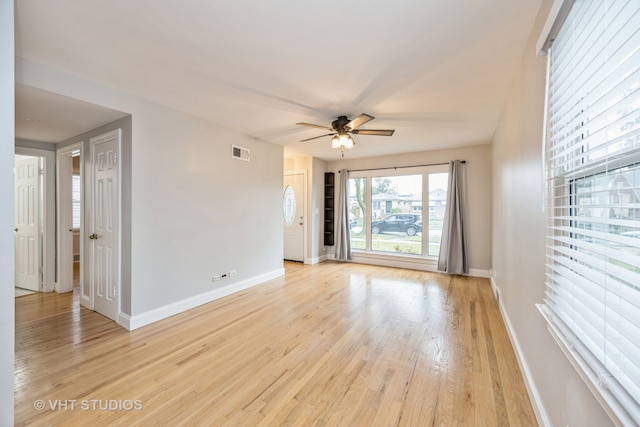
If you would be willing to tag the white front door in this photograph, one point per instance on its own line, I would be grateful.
(104, 238)
(27, 222)
(293, 216)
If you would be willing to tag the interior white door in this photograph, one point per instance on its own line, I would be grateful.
(105, 223)
(27, 223)
(293, 216)
(64, 205)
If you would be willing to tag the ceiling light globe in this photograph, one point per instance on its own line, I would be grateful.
(346, 141)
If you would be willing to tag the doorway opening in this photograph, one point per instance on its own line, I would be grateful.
(70, 218)
(76, 219)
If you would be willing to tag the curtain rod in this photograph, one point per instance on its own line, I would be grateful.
(401, 167)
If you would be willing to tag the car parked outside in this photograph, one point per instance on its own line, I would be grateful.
(407, 223)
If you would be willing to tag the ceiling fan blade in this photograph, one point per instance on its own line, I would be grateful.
(316, 137)
(359, 121)
(314, 126)
(381, 132)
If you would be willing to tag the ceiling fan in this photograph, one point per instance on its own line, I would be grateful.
(342, 127)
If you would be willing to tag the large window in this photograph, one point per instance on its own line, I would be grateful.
(395, 227)
(388, 215)
(593, 207)
(437, 203)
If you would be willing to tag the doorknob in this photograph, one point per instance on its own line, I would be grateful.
(15, 229)
(94, 236)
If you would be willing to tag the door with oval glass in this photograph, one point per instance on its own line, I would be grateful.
(293, 202)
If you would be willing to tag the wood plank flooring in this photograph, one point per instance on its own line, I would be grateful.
(328, 345)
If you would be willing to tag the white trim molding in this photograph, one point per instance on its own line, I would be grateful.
(555, 17)
(316, 260)
(409, 262)
(151, 316)
(536, 399)
(593, 378)
(64, 244)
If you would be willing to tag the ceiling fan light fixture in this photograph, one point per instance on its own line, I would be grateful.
(342, 141)
(346, 141)
(342, 129)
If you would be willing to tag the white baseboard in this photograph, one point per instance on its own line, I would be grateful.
(476, 272)
(57, 287)
(124, 320)
(85, 301)
(316, 260)
(49, 286)
(151, 316)
(538, 407)
(496, 292)
(415, 263)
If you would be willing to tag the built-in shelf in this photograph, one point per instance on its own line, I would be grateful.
(329, 208)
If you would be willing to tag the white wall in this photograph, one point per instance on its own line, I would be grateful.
(519, 248)
(195, 211)
(7, 135)
(198, 212)
(478, 167)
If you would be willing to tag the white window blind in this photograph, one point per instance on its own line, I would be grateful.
(592, 153)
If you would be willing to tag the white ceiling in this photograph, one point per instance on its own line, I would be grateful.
(49, 117)
(436, 71)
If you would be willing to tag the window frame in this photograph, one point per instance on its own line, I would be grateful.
(577, 155)
(382, 257)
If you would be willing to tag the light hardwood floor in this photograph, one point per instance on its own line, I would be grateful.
(329, 345)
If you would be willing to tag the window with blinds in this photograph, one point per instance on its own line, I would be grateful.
(592, 151)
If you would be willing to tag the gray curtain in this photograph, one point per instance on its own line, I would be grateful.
(343, 242)
(453, 246)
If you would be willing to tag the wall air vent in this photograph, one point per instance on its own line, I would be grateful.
(240, 153)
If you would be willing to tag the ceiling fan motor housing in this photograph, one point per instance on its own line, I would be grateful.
(340, 123)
